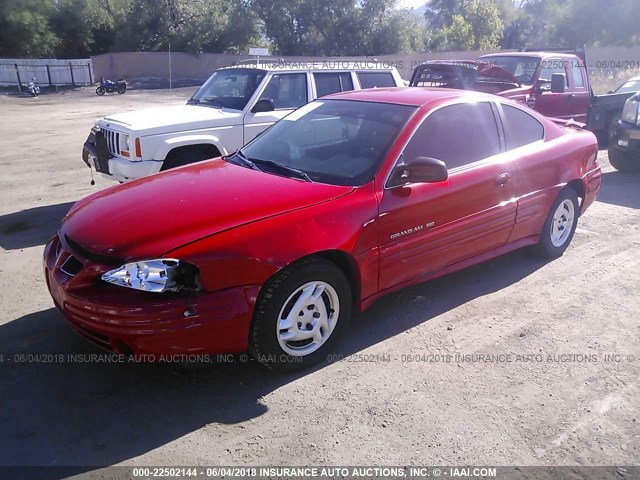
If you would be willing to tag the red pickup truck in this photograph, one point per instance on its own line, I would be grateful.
(555, 83)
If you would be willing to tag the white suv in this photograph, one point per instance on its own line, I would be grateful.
(233, 106)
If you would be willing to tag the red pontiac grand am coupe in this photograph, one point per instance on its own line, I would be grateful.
(348, 198)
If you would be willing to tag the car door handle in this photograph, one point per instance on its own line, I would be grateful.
(503, 179)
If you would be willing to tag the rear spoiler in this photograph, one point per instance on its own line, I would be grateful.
(568, 123)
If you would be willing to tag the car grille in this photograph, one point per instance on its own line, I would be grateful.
(72, 266)
(89, 255)
(113, 140)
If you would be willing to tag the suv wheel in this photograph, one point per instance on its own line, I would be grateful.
(623, 161)
(187, 155)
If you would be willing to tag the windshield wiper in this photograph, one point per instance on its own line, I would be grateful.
(243, 160)
(210, 101)
(284, 169)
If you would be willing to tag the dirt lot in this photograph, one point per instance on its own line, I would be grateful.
(555, 398)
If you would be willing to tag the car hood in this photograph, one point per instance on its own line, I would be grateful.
(151, 216)
(170, 119)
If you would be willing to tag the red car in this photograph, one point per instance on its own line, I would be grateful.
(347, 199)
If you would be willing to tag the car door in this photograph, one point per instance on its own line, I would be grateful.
(288, 91)
(579, 95)
(428, 226)
(548, 103)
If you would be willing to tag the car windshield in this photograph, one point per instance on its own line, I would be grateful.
(339, 142)
(230, 88)
(630, 86)
(522, 68)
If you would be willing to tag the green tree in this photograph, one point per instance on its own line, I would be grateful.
(339, 27)
(477, 26)
(25, 30)
(192, 26)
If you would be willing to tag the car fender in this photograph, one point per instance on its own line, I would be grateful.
(254, 252)
(169, 144)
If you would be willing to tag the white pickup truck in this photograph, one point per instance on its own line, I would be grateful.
(233, 106)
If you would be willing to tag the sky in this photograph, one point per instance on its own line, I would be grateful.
(411, 3)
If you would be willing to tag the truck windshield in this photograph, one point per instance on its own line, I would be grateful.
(339, 142)
(632, 85)
(229, 88)
(522, 68)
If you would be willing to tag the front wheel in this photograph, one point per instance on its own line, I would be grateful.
(300, 314)
(623, 161)
(100, 91)
(560, 225)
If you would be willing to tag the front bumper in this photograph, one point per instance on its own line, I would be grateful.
(626, 138)
(130, 322)
(115, 168)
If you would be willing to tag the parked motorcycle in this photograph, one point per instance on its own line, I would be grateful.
(107, 86)
(31, 88)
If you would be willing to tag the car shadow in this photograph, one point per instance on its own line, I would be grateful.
(620, 188)
(90, 414)
(32, 227)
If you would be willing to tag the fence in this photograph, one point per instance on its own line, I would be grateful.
(49, 72)
(611, 63)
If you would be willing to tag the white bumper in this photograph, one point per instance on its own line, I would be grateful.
(123, 170)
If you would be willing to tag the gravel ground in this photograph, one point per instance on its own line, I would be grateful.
(516, 361)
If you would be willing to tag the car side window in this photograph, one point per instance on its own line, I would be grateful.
(576, 73)
(332, 82)
(287, 90)
(554, 65)
(458, 135)
(522, 128)
(376, 79)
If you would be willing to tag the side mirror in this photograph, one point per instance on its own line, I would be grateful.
(419, 170)
(264, 105)
(558, 82)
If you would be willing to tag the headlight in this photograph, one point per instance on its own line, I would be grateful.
(159, 275)
(125, 140)
(630, 110)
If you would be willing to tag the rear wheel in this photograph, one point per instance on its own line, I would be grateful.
(560, 225)
(100, 91)
(121, 88)
(300, 314)
(623, 161)
(187, 155)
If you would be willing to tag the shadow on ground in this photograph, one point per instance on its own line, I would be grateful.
(96, 414)
(32, 227)
(619, 188)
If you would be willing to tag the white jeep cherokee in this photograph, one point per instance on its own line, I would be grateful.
(233, 106)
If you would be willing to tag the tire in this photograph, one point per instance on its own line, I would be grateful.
(121, 89)
(100, 91)
(623, 161)
(560, 225)
(185, 156)
(320, 293)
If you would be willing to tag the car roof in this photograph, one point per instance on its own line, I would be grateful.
(414, 96)
(305, 65)
(530, 55)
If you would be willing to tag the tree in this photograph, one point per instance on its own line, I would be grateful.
(25, 30)
(473, 25)
(339, 27)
